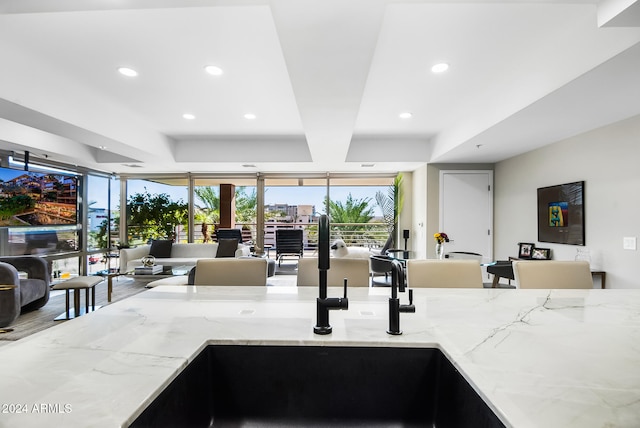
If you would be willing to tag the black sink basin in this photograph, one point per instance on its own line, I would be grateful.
(276, 386)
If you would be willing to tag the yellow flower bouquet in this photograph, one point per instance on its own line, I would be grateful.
(441, 237)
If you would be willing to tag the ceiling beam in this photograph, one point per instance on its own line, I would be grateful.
(328, 65)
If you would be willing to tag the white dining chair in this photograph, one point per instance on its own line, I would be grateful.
(444, 273)
(552, 274)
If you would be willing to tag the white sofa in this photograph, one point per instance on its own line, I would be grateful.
(181, 254)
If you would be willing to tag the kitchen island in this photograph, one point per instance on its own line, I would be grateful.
(539, 358)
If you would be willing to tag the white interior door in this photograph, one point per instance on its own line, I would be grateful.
(466, 211)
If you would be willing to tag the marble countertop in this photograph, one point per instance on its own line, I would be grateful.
(540, 358)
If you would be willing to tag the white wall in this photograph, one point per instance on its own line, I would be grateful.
(425, 194)
(404, 222)
(608, 160)
(419, 212)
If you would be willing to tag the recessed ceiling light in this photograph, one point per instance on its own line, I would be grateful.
(405, 115)
(102, 147)
(249, 116)
(213, 70)
(129, 72)
(188, 116)
(440, 68)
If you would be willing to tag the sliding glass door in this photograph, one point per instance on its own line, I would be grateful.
(157, 208)
(227, 202)
(293, 203)
(350, 200)
(191, 208)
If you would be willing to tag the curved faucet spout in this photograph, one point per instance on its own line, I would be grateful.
(323, 242)
(397, 278)
(323, 254)
(323, 303)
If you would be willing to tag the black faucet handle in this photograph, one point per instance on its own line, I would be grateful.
(345, 288)
(410, 308)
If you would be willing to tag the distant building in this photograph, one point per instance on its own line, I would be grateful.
(287, 216)
(96, 217)
(307, 214)
(286, 213)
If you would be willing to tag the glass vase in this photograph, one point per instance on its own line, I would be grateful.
(439, 250)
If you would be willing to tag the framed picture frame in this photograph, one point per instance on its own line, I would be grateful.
(561, 214)
(525, 250)
(541, 253)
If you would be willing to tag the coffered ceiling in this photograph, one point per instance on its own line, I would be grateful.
(326, 81)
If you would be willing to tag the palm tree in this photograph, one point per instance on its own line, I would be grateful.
(352, 211)
(391, 205)
(246, 205)
(210, 198)
(209, 213)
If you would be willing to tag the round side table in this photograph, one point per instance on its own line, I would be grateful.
(9, 306)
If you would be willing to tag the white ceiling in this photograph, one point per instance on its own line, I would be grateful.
(326, 80)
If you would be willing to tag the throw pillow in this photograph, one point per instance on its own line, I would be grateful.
(227, 248)
(161, 248)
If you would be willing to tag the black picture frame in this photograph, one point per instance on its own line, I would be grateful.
(561, 214)
(541, 253)
(525, 249)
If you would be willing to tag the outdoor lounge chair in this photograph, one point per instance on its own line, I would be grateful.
(229, 234)
(289, 242)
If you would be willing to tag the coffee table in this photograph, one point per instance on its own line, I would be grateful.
(166, 272)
